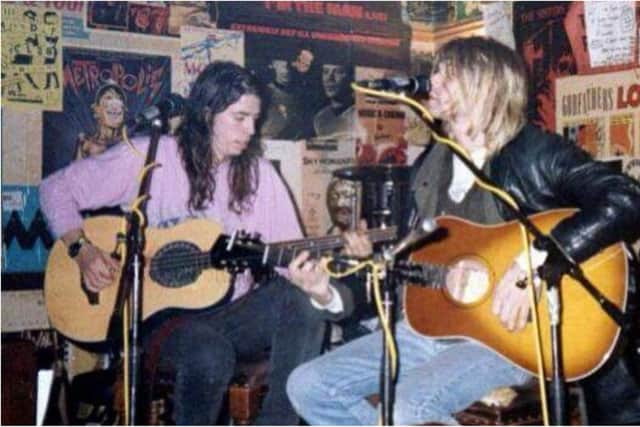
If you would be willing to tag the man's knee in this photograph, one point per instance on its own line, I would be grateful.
(304, 384)
(199, 349)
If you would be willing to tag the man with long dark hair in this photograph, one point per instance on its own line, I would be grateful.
(211, 169)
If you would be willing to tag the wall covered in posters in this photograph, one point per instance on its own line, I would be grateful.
(106, 61)
(552, 37)
(305, 53)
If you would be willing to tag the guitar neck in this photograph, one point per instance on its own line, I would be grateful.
(422, 274)
(282, 253)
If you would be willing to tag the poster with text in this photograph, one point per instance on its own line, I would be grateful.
(381, 124)
(320, 158)
(31, 58)
(102, 92)
(601, 112)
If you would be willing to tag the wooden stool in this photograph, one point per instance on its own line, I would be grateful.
(514, 406)
(517, 406)
(247, 391)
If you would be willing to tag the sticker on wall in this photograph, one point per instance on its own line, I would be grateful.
(25, 238)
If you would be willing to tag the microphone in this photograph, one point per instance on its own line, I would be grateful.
(428, 226)
(417, 85)
(173, 105)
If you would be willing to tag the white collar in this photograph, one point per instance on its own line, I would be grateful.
(462, 178)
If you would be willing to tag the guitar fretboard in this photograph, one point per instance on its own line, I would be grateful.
(282, 253)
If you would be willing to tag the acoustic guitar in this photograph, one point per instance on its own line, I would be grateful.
(432, 309)
(187, 267)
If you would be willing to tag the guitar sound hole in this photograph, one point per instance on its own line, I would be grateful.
(474, 282)
(176, 265)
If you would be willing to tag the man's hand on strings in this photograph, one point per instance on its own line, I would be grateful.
(310, 276)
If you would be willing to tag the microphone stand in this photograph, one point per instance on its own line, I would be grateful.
(387, 380)
(131, 279)
(557, 264)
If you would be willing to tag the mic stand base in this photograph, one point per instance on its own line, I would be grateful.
(387, 381)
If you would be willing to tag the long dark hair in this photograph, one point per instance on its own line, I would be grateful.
(218, 86)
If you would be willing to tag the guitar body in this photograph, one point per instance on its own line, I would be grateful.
(74, 316)
(588, 333)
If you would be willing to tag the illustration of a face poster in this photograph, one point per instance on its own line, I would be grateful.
(102, 91)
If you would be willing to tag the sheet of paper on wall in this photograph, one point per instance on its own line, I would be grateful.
(286, 157)
(201, 46)
(498, 22)
(611, 32)
(24, 311)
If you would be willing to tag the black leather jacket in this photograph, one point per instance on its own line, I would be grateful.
(543, 171)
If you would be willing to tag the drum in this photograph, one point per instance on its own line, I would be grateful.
(384, 192)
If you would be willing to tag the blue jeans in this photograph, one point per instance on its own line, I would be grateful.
(436, 378)
(204, 348)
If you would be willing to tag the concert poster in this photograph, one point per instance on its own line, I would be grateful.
(383, 123)
(601, 112)
(541, 38)
(135, 81)
(31, 58)
(290, 70)
(320, 158)
(305, 53)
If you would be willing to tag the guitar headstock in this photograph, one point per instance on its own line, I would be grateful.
(239, 252)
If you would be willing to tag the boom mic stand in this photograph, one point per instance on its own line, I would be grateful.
(387, 380)
(557, 264)
(389, 183)
(131, 280)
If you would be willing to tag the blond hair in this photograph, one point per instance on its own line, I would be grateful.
(489, 84)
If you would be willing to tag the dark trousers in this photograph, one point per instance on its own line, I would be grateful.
(203, 350)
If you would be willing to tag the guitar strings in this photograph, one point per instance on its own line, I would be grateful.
(202, 259)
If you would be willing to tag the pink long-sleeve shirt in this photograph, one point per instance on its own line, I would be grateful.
(111, 179)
